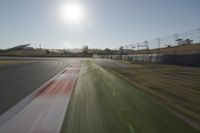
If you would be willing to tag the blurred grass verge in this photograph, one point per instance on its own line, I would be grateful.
(103, 103)
(175, 87)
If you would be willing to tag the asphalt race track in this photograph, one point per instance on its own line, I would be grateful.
(21, 76)
(45, 113)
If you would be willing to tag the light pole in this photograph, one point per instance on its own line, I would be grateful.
(158, 39)
(175, 39)
(199, 34)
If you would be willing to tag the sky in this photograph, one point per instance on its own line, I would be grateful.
(103, 24)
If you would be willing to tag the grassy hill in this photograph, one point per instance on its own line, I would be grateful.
(183, 49)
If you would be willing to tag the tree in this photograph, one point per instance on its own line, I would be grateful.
(121, 48)
(107, 51)
(47, 52)
(85, 49)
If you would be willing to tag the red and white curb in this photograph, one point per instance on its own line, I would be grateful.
(45, 113)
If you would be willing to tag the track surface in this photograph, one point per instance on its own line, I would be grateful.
(21, 76)
(100, 103)
(46, 112)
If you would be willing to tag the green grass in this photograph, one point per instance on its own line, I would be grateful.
(104, 103)
(177, 87)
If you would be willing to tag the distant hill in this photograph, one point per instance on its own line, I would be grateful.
(41, 53)
(182, 49)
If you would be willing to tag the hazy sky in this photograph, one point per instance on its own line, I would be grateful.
(104, 23)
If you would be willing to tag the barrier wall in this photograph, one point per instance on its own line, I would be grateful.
(176, 59)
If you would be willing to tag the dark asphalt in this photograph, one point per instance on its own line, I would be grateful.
(19, 79)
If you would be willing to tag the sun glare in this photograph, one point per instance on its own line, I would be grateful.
(71, 12)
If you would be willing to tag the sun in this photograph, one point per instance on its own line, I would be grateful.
(71, 12)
